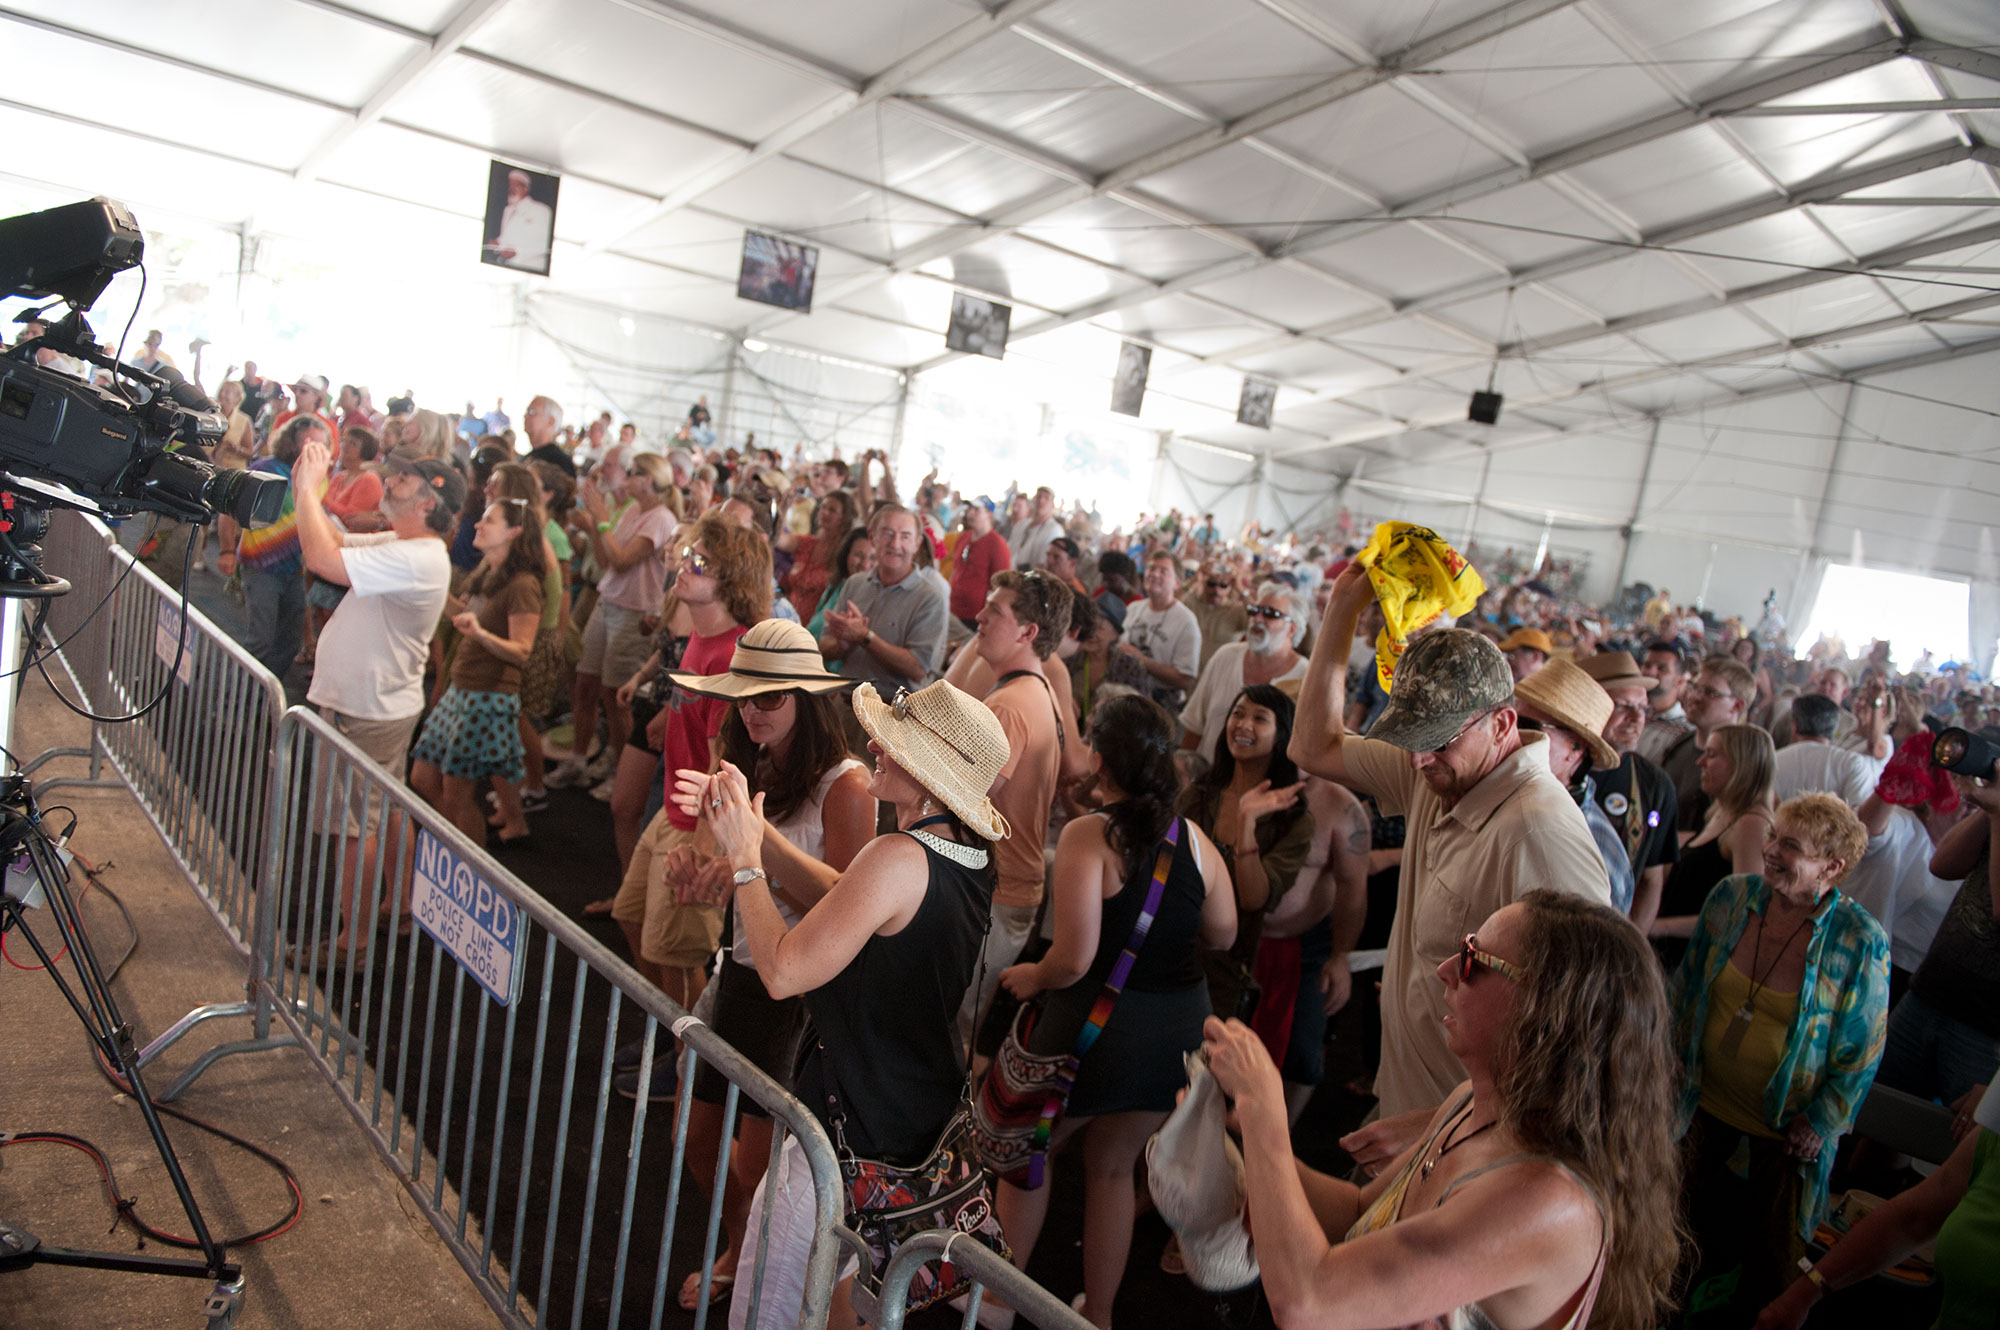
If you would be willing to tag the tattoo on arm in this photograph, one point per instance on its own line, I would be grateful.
(1360, 835)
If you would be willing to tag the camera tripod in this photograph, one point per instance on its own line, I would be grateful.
(32, 870)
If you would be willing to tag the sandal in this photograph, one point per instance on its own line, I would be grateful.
(718, 1289)
(1171, 1260)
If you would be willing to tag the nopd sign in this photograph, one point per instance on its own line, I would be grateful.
(475, 923)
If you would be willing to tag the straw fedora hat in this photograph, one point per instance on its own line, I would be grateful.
(948, 742)
(776, 655)
(1565, 694)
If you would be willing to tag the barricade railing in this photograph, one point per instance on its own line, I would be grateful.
(476, 1050)
(200, 762)
(987, 1269)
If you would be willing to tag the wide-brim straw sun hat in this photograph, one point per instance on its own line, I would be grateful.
(775, 656)
(948, 742)
(1570, 697)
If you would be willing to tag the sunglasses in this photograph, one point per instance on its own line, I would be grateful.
(1217, 583)
(1264, 611)
(1469, 956)
(765, 701)
(697, 563)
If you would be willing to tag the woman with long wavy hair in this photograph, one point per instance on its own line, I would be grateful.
(816, 556)
(1739, 775)
(473, 733)
(1544, 1192)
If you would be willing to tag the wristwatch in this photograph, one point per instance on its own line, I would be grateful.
(745, 876)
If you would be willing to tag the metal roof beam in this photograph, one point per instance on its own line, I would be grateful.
(470, 17)
(883, 85)
(1814, 70)
(1986, 64)
(1480, 28)
(1434, 419)
(1896, 257)
(1869, 108)
(1826, 187)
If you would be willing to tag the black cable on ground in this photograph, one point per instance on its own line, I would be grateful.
(126, 1207)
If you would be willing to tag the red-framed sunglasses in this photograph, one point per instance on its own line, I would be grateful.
(1469, 955)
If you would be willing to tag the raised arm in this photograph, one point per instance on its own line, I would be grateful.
(319, 539)
(1319, 730)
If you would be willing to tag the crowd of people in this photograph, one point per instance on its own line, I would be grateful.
(907, 790)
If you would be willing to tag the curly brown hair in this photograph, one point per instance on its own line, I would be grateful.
(740, 560)
(1588, 1077)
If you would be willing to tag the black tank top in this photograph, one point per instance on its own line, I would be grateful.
(1169, 962)
(1699, 869)
(888, 1022)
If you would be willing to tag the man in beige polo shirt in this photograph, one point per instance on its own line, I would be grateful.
(1487, 824)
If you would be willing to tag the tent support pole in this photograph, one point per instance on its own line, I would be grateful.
(1811, 551)
(1638, 507)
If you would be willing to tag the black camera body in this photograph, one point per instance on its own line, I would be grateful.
(130, 448)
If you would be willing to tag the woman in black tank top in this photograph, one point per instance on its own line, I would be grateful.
(1738, 767)
(884, 958)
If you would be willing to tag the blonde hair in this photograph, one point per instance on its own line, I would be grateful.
(1753, 770)
(657, 470)
(1829, 826)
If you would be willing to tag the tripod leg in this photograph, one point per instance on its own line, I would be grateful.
(223, 1301)
(107, 1028)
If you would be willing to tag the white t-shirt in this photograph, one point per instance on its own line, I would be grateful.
(370, 662)
(1171, 636)
(1893, 882)
(1207, 709)
(1804, 768)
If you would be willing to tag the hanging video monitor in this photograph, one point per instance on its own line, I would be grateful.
(978, 327)
(777, 272)
(520, 218)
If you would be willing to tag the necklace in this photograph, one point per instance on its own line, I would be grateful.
(1741, 1019)
(1450, 1145)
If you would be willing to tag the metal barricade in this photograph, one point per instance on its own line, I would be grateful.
(476, 1051)
(200, 762)
(987, 1269)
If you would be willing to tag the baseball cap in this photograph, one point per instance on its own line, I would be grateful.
(317, 382)
(442, 479)
(1533, 638)
(1443, 680)
(1067, 546)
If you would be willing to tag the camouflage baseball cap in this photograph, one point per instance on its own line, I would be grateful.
(1445, 678)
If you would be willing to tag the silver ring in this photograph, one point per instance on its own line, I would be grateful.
(715, 802)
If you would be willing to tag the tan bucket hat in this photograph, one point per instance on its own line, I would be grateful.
(775, 656)
(948, 742)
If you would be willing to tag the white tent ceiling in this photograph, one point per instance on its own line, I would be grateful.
(1637, 212)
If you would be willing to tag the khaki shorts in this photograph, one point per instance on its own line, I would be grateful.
(678, 936)
(615, 644)
(388, 742)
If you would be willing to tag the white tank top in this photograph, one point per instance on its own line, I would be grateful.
(806, 830)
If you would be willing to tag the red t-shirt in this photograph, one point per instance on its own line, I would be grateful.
(973, 578)
(695, 720)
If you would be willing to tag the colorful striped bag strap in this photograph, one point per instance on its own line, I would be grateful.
(1100, 1011)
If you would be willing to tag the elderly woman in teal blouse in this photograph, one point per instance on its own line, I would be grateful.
(1782, 1002)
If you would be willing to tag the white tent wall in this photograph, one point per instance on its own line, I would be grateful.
(791, 398)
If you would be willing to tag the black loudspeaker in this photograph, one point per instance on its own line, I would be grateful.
(1485, 408)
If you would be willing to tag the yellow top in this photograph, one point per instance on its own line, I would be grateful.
(1737, 1065)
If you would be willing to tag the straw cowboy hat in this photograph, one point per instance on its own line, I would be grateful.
(948, 742)
(775, 656)
(1572, 699)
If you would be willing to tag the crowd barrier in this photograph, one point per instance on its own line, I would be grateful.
(200, 762)
(986, 1268)
(472, 1036)
(496, 1113)
(476, 1050)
